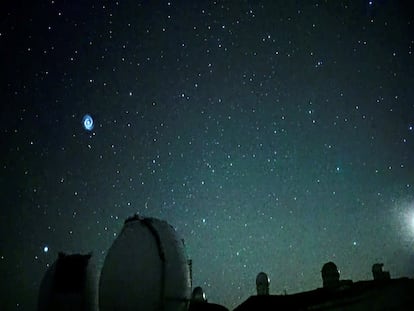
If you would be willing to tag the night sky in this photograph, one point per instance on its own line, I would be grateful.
(274, 136)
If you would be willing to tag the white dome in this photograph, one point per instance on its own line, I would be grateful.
(145, 269)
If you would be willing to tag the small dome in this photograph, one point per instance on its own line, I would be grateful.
(262, 279)
(330, 274)
(262, 284)
(377, 272)
(198, 295)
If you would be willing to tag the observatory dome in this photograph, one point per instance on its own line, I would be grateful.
(70, 283)
(145, 269)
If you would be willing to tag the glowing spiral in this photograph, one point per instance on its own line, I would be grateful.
(87, 122)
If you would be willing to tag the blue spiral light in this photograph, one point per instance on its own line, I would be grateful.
(87, 122)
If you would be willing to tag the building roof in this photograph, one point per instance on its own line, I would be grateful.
(392, 294)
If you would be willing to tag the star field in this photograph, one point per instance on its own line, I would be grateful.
(274, 136)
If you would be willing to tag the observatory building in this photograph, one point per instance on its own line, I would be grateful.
(382, 293)
(146, 268)
(69, 284)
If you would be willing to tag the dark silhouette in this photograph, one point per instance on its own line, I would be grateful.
(262, 284)
(378, 274)
(330, 275)
(199, 302)
(69, 284)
